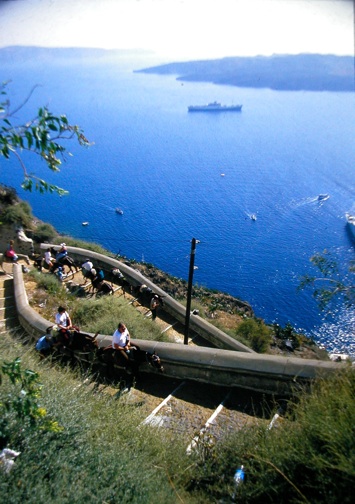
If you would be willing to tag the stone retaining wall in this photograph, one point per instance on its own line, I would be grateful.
(200, 326)
(265, 373)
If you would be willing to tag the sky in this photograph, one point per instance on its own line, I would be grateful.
(183, 29)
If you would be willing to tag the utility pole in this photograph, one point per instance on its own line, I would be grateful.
(189, 290)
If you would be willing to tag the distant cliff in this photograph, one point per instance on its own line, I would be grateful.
(310, 72)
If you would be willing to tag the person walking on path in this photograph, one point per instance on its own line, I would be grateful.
(154, 303)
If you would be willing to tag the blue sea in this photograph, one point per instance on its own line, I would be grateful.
(179, 176)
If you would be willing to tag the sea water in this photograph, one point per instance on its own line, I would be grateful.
(178, 175)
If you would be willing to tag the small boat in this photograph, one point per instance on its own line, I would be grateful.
(350, 219)
(323, 197)
(253, 217)
(85, 223)
(119, 211)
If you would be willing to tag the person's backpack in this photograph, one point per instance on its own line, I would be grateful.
(100, 274)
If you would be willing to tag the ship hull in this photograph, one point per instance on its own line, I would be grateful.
(202, 108)
(350, 219)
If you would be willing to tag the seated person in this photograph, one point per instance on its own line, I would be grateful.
(96, 278)
(62, 252)
(48, 259)
(10, 253)
(64, 324)
(86, 268)
(45, 343)
(121, 341)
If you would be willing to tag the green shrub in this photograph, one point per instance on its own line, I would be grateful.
(288, 333)
(309, 456)
(20, 214)
(8, 195)
(74, 242)
(256, 333)
(103, 315)
(19, 404)
(99, 455)
(44, 233)
(50, 283)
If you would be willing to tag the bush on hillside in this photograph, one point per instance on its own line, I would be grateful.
(8, 195)
(19, 214)
(20, 411)
(44, 233)
(308, 456)
(256, 333)
(49, 283)
(103, 315)
(95, 453)
(287, 333)
(75, 242)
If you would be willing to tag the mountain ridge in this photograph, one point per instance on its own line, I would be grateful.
(309, 72)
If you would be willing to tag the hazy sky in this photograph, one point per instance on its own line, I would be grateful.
(183, 29)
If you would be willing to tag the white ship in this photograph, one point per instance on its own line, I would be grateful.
(350, 219)
(214, 107)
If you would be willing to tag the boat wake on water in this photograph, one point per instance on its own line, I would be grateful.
(113, 209)
(101, 204)
(319, 199)
(251, 215)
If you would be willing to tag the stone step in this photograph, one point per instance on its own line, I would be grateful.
(8, 311)
(9, 324)
(7, 302)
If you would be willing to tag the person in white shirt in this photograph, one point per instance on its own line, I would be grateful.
(154, 303)
(86, 268)
(49, 260)
(121, 342)
(121, 339)
(64, 324)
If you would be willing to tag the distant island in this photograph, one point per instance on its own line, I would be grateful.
(308, 72)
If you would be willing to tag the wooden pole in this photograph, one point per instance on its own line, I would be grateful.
(189, 291)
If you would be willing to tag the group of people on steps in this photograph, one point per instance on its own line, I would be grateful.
(62, 331)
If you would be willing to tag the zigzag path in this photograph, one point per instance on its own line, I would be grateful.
(181, 407)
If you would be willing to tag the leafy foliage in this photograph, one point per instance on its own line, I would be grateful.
(21, 213)
(308, 456)
(75, 242)
(256, 332)
(8, 195)
(287, 333)
(333, 284)
(19, 404)
(44, 233)
(98, 456)
(49, 283)
(43, 136)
